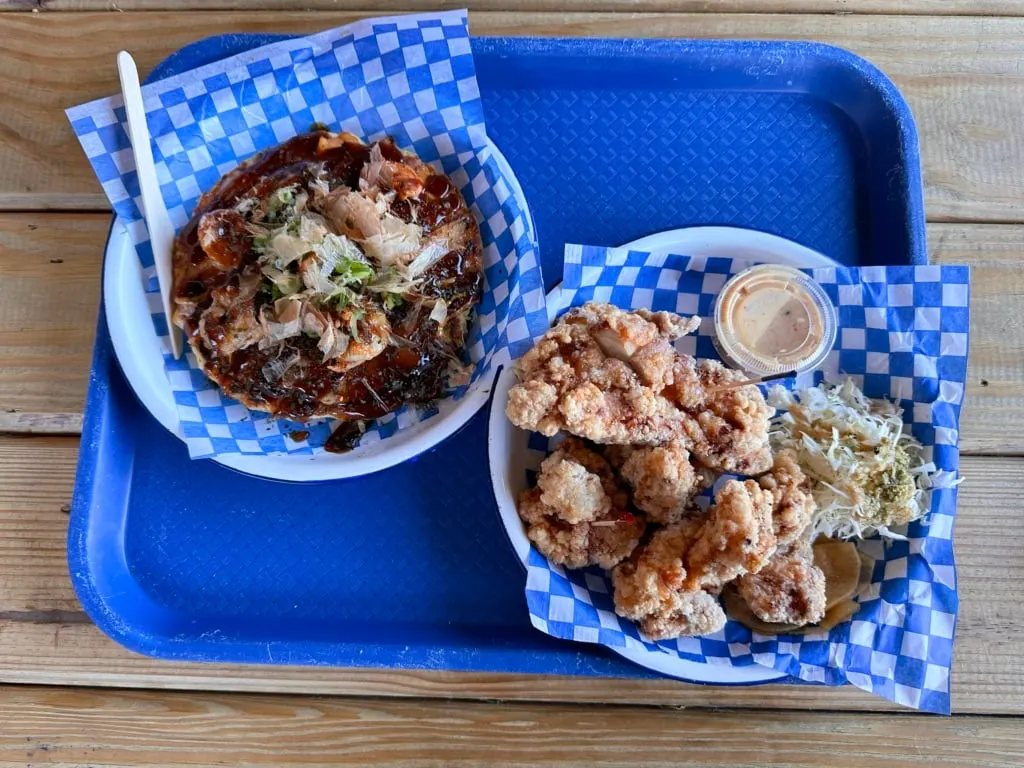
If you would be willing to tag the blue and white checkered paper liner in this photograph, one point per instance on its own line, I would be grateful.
(903, 335)
(411, 77)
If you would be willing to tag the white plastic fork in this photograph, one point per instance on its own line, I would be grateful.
(158, 222)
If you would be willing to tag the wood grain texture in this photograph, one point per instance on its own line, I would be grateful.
(113, 728)
(37, 476)
(40, 423)
(44, 637)
(902, 7)
(993, 418)
(961, 75)
(48, 318)
(49, 297)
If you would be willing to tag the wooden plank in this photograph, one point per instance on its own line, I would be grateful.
(993, 418)
(87, 727)
(929, 7)
(959, 73)
(49, 297)
(37, 476)
(48, 317)
(44, 637)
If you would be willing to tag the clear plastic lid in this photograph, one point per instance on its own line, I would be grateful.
(771, 319)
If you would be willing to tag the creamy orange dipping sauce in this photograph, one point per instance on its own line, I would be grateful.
(771, 319)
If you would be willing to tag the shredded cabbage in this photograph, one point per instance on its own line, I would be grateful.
(867, 471)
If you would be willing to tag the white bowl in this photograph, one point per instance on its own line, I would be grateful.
(137, 348)
(510, 456)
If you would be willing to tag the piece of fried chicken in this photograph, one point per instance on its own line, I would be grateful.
(578, 515)
(663, 479)
(613, 377)
(790, 589)
(729, 428)
(649, 587)
(571, 484)
(579, 378)
(737, 538)
(793, 503)
(669, 585)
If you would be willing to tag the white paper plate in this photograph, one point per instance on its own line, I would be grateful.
(509, 456)
(138, 351)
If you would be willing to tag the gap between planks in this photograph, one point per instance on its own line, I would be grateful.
(50, 287)
(959, 74)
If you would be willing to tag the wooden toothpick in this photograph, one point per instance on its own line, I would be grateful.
(747, 383)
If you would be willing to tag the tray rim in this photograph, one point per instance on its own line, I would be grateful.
(356, 655)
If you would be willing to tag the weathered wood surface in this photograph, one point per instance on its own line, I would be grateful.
(960, 74)
(68, 727)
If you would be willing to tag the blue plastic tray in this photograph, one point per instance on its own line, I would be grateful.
(611, 140)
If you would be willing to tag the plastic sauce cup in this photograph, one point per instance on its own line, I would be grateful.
(771, 319)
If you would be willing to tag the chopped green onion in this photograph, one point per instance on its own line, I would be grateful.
(343, 297)
(351, 271)
(353, 323)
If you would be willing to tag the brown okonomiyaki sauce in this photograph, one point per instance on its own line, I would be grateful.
(413, 369)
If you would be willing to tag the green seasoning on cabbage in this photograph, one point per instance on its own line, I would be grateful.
(868, 473)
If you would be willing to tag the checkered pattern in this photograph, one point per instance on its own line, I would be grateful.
(411, 77)
(903, 335)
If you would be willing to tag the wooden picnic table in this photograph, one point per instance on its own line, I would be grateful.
(70, 696)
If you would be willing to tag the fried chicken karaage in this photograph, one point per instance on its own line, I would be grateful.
(613, 377)
(649, 587)
(728, 428)
(663, 479)
(577, 378)
(790, 589)
(669, 585)
(662, 426)
(737, 538)
(575, 482)
(578, 515)
(794, 505)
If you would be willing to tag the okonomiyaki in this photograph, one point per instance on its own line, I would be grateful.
(330, 278)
